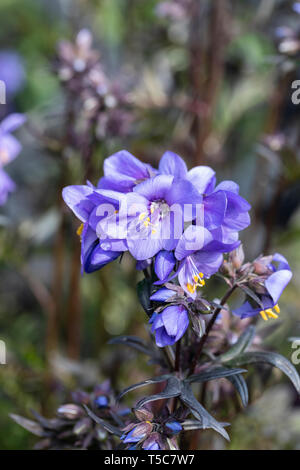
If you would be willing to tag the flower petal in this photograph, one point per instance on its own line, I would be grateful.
(164, 264)
(203, 178)
(172, 164)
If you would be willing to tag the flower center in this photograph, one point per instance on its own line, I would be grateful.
(268, 313)
(158, 211)
(194, 277)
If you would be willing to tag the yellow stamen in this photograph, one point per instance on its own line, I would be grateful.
(268, 313)
(191, 288)
(80, 230)
(263, 314)
(271, 313)
(142, 216)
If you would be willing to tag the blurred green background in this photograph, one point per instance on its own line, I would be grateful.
(214, 87)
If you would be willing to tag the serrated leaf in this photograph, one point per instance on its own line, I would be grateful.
(104, 424)
(241, 345)
(29, 425)
(214, 373)
(240, 385)
(200, 412)
(155, 380)
(144, 289)
(273, 359)
(171, 390)
(133, 342)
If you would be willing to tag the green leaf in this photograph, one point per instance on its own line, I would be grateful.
(29, 425)
(214, 373)
(107, 426)
(144, 289)
(155, 380)
(251, 294)
(171, 390)
(133, 342)
(240, 346)
(200, 413)
(274, 359)
(239, 383)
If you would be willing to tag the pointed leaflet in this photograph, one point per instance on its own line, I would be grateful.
(200, 413)
(155, 380)
(29, 425)
(214, 373)
(251, 294)
(271, 358)
(107, 426)
(241, 345)
(133, 342)
(171, 390)
(240, 385)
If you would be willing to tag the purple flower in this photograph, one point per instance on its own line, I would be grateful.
(136, 432)
(123, 171)
(278, 275)
(174, 426)
(10, 148)
(151, 446)
(101, 401)
(85, 201)
(197, 259)
(170, 325)
(12, 71)
(154, 442)
(152, 216)
(296, 7)
(6, 186)
(162, 295)
(225, 212)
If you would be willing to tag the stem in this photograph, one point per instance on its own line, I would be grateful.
(177, 356)
(209, 327)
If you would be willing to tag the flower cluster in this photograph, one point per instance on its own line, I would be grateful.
(152, 433)
(10, 148)
(81, 72)
(268, 276)
(85, 423)
(178, 219)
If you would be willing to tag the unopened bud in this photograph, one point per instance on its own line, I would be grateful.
(237, 257)
(70, 411)
(143, 414)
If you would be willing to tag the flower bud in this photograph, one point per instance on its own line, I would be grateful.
(70, 411)
(82, 426)
(237, 257)
(143, 414)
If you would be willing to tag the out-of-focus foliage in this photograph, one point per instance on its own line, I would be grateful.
(252, 137)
